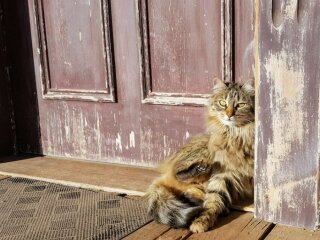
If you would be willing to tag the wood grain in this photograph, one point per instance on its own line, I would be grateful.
(281, 232)
(182, 33)
(83, 172)
(237, 225)
(175, 234)
(127, 131)
(255, 229)
(287, 159)
(148, 232)
(244, 45)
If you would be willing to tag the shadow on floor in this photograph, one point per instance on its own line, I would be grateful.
(13, 158)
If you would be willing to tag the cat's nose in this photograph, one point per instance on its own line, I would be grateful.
(230, 112)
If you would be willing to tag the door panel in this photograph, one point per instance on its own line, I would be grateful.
(79, 121)
(287, 162)
(183, 40)
(76, 51)
(181, 50)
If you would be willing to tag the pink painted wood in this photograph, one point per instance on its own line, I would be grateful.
(123, 87)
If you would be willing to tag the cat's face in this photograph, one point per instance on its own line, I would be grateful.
(232, 104)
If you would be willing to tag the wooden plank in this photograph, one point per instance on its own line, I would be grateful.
(288, 112)
(281, 232)
(175, 234)
(109, 177)
(237, 225)
(255, 229)
(148, 232)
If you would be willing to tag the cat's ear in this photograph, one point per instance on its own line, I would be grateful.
(248, 86)
(218, 84)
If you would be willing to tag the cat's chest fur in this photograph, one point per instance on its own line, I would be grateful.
(233, 148)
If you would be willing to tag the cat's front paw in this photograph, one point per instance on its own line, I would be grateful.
(199, 226)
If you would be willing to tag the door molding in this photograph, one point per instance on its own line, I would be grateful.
(226, 40)
(104, 95)
(151, 97)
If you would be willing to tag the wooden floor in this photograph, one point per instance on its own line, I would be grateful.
(110, 177)
(236, 226)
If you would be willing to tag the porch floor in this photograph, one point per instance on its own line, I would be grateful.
(134, 181)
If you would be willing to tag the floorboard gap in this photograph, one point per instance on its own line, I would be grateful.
(268, 230)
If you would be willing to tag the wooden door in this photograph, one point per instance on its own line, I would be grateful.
(125, 81)
(287, 162)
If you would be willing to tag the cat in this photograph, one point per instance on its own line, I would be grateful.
(202, 179)
(176, 197)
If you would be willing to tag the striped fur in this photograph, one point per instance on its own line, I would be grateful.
(176, 198)
(172, 209)
(208, 174)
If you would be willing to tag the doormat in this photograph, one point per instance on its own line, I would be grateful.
(38, 210)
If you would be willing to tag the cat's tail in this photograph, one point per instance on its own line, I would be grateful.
(167, 208)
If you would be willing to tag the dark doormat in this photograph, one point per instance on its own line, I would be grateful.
(31, 209)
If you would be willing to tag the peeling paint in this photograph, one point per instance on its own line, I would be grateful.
(287, 158)
(187, 134)
(118, 143)
(132, 140)
(67, 63)
(286, 74)
(290, 10)
(168, 100)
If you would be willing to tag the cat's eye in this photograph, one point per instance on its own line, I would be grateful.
(222, 103)
(241, 105)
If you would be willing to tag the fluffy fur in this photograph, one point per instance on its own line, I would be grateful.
(201, 180)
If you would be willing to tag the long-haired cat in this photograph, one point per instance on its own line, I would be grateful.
(202, 180)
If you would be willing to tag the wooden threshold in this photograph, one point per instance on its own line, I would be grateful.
(78, 173)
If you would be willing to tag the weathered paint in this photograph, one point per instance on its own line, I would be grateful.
(176, 38)
(75, 63)
(133, 128)
(227, 7)
(244, 45)
(287, 158)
